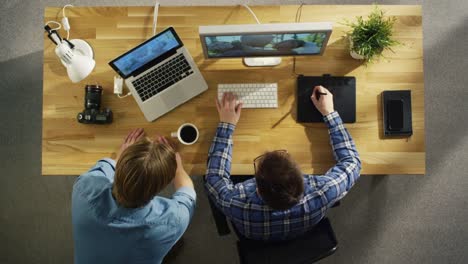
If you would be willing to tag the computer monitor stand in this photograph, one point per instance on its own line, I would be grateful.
(262, 61)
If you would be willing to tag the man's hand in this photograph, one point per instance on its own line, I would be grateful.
(165, 141)
(228, 108)
(130, 139)
(325, 101)
(181, 179)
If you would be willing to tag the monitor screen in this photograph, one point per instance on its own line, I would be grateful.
(145, 53)
(276, 44)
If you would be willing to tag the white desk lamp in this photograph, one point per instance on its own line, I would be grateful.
(76, 55)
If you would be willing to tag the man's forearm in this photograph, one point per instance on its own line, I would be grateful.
(348, 165)
(219, 155)
(340, 139)
(218, 180)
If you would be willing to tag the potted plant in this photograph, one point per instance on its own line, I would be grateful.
(370, 37)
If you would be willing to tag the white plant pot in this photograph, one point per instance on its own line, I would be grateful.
(354, 54)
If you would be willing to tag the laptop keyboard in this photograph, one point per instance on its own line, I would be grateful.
(162, 77)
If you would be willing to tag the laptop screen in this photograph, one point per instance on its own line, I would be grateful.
(149, 51)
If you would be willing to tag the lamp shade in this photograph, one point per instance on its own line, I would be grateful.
(78, 61)
(80, 67)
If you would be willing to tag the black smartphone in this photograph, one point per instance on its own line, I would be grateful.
(395, 114)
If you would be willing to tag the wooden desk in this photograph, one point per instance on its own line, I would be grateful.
(70, 148)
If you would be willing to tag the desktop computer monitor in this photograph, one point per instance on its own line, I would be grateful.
(263, 44)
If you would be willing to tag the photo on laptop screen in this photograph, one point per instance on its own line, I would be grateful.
(279, 44)
(147, 52)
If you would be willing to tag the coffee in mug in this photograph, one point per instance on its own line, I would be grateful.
(187, 134)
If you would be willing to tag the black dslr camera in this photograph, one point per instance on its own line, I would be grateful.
(92, 114)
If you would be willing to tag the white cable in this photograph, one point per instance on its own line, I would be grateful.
(59, 26)
(64, 7)
(120, 95)
(65, 23)
(155, 16)
(251, 12)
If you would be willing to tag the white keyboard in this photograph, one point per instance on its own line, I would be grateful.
(252, 95)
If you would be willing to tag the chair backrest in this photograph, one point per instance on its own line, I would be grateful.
(220, 220)
(314, 245)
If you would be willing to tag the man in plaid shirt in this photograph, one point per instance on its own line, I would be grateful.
(279, 202)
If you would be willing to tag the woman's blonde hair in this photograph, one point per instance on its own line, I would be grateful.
(142, 171)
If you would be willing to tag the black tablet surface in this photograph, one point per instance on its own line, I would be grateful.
(344, 97)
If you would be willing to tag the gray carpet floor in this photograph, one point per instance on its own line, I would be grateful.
(384, 219)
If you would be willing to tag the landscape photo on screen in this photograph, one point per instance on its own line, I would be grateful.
(265, 44)
(144, 54)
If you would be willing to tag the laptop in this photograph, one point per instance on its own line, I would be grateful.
(160, 74)
(344, 97)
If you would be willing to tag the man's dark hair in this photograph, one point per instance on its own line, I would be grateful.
(279, 181)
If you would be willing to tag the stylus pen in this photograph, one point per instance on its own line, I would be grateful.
(322, 93)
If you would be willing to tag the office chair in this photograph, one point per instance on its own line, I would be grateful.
(313, 246)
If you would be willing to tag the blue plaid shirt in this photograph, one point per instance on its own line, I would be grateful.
(245, 208)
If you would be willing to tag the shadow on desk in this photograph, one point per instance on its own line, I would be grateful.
(203, 63)
(335, 61)
(319, 147)
(339, 50)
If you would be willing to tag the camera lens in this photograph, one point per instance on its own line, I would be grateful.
(93, 96)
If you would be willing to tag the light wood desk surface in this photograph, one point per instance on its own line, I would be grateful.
(71, 148)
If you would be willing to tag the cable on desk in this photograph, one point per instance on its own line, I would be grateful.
(251, 12)
(155, 16)
(123, 96)
(64, 7)
(299, 13)
(59, 26)
(65, 23)
(297, 20)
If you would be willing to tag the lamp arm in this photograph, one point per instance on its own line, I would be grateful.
(53, 35)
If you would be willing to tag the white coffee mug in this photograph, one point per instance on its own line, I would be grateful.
(183, 138)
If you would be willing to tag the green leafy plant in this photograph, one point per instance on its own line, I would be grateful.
(370, 37)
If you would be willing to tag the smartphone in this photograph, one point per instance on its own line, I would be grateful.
(395, 114)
